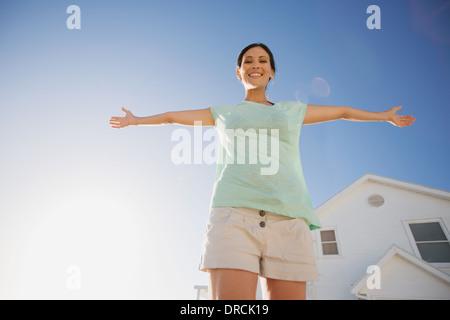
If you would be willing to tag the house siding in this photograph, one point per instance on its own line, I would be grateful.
(365, 233)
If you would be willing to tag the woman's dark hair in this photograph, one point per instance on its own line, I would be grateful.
(253, 45)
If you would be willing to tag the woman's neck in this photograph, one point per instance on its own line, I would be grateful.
(258, 96)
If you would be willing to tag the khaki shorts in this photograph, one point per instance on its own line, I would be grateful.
(263, 242)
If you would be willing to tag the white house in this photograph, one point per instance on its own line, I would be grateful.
(383, 239)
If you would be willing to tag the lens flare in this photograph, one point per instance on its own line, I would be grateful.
(428, 19)
(320, 87)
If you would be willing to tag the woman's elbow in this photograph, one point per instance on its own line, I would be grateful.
(169, 117)
(344, 113)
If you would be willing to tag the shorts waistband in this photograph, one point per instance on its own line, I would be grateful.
(262, 213)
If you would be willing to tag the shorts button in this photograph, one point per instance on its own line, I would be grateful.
(262, 213)
(262, 224)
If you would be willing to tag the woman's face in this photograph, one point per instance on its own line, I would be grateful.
(255, 69)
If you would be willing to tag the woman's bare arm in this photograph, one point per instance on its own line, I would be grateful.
(320, 113)
(201, 117)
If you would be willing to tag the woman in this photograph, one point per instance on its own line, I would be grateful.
(260, 222)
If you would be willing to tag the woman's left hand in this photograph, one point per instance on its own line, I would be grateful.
(397, 120)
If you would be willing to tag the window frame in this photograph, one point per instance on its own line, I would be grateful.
(413, 242)
(320, 242)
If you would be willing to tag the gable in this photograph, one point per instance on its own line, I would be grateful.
(377, 194)
(403, 276)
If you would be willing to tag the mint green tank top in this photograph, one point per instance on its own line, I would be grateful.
(258, 160)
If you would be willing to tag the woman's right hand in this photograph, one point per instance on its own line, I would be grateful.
(122, 122)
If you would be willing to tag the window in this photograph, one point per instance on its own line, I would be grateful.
(375, 200)
(329, 242)
(431, 241)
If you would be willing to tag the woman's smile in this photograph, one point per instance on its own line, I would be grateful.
(255, 75)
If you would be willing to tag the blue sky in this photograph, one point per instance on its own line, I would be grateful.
(111, 202)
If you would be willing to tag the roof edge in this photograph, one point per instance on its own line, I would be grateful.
(395, 250)
(370, 177)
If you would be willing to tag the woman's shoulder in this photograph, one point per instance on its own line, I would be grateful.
(292, 104)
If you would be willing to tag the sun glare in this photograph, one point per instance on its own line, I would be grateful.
(91, 229)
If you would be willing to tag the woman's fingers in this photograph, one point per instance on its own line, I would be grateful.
(120, 122)
(401, 121)
(115, 122)
(404, 121)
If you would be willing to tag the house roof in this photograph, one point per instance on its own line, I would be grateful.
(369, 177)
(444, 279)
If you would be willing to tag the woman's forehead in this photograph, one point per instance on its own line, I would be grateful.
(255, 52)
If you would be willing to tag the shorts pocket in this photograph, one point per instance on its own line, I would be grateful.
(219, 214)
(225, 220)
(301, 249)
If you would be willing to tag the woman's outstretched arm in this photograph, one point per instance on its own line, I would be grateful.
(319, 113)
(186, 118)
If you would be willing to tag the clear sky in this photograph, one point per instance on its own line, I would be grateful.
(112, 203)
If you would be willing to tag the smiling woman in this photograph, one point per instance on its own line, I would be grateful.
(255, 65)
(260, 223)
